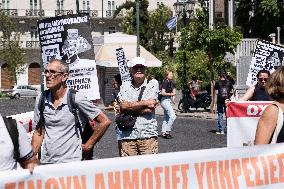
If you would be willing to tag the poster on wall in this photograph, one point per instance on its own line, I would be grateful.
(69, 38)
(267, 56)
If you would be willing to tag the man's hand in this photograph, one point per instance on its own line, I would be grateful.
(151, 103)
(86, 149)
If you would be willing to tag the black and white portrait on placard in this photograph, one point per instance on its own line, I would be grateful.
(73, 45)
(267, 56)
(69, 38)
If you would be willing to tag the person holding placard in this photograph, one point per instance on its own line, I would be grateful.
(258, 92)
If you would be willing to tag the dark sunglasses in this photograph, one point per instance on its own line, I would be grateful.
(262, 79)
(52, 72)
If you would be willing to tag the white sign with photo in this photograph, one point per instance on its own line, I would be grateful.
(267, 56)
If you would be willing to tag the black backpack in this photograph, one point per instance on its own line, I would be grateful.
(88, 131)
(224, 90)
(11, 126)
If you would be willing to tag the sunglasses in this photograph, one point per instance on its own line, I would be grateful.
(262, 79)
(52, 73)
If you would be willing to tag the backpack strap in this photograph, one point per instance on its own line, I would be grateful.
(73, 108)
(11, 126)
(41, 106)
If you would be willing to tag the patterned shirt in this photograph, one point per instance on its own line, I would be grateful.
(146, 125)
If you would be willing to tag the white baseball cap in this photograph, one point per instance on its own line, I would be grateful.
(137, 61)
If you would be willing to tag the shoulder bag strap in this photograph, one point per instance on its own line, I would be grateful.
(278, 126)
(11, 126)
(73, 108)
(141, 93)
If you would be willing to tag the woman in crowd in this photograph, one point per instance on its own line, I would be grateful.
(258, 92)
(168, 91)
(268, 121)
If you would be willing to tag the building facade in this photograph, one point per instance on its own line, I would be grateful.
(26, 13)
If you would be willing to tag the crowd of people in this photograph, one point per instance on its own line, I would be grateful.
(62, 115)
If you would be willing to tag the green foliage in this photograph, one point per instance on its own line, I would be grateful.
(157, 28)
(215, 43)
(3, 94)
(168, 64)
(129, 23)
(11, 53)
(267, 15)
(269, 7)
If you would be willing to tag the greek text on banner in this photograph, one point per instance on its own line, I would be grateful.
(238, 168)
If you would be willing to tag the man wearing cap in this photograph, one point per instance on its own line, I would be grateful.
(142, 138)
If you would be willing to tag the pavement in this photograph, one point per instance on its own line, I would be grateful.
(196, 113)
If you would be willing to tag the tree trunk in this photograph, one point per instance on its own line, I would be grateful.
(212, 82)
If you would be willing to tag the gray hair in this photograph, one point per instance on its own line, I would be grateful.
(64, 66)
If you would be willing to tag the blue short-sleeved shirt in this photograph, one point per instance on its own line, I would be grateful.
(62, 140)
(146, 126)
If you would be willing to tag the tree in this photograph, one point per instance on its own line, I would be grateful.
(259, 18)
(157, 28)
(129, 23)
(169, 63)
(215, 44)
(11, 53)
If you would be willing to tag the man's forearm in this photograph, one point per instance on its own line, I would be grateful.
(99, 130)
(132, 107)
(37, 140)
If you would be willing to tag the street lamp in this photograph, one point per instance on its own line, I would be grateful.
(184, 8)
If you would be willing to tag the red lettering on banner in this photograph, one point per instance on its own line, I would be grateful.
(258, 181)
(147, 177)
(10, 185)
(246, 109)
(199, 171)
(272, 169)
(157, 172)
(175, 178)
(167, 177)
(31, 184)
(265, 170)
(77, 184)
(99, 181)
(211, 170)
(184, 173)
(224, 174)
(21, 185)
(128, 182)
(280, 158)
(247, 172)
(67, 184)
(51, 184)
(114, 181)
(236, 171)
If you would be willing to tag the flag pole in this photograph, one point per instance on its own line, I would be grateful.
(176, 34)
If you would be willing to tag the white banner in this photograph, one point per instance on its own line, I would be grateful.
(242, 119)
(237, 168)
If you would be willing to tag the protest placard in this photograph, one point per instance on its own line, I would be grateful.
(267, 56)
(69, 38)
